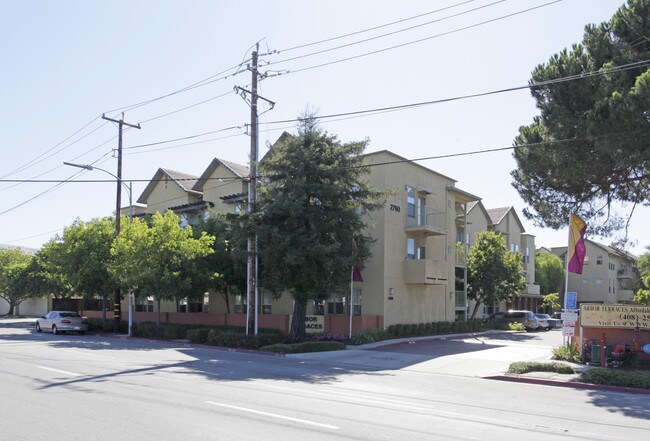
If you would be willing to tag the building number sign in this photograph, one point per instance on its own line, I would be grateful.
(394, 207)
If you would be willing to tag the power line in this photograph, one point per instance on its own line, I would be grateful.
(410, 28)
(184, 145)
(183, 138)
(211, 79)
(635, 65)
(358, 113)
(35, 161)
(553, 143)
(373, 28)
(416, 41)
(386, 163)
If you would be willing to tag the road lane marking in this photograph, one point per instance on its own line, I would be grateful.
(72, 374)
(274, 415)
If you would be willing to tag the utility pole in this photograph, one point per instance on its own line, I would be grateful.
(252, 289)
(252, 202)
(117, 307)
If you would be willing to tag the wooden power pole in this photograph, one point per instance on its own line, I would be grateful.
(117, 307)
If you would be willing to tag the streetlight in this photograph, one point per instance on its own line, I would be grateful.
(117, 218)
(127, 188)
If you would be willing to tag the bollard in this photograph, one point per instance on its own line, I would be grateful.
(603, 353)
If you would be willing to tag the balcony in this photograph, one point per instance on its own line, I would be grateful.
(461, 301)
(625, 295)
(431, 224)
(425, 272)
(626, 273)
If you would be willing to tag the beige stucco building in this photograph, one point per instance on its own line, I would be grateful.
(608, 275)
(417, 273)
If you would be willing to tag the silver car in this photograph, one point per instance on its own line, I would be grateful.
(61, 321)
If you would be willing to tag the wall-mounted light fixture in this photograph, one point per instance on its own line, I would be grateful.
(391, 293)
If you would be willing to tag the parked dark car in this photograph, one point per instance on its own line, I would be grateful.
(61, 321)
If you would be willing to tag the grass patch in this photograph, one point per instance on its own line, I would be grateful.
(307, 346)
(617, 377)
(522, 367)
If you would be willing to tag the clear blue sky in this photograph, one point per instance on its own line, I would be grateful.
(67, 62)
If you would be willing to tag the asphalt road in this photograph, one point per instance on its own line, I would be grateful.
(69, 387)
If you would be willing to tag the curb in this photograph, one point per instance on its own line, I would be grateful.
(569, 384)
(429, 338)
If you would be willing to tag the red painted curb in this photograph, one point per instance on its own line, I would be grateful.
(570, 384)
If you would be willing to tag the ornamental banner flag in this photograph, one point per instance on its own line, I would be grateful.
(356, 274)
(577, 248)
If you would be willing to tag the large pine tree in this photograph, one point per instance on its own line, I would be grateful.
(606, 119)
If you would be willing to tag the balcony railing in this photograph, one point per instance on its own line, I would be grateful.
(626, 273)
(425, 271)
(461, 254)
(624, 295)
(461, 300)
(430, 224)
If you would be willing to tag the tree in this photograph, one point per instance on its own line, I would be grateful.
(549, 273)
(550, 302)
(493, 272)
(13, 263)
(156, 258)
(311, 217)
(87, 250)
(224, 270)
(643, 267)
(47, 276)
(606, 160)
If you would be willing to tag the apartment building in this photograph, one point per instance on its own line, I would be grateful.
(505, 221)
(608, 275)
(417, 272)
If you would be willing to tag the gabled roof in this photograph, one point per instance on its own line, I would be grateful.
(480, 206)
(610, 250)
(498, 214)
(399, 158)
(238, 170)
(183, 180)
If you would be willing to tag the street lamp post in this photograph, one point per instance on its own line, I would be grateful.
(117, 212)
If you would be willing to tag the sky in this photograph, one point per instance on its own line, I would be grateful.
(67, 63)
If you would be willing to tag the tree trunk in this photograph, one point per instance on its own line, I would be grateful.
(11, 308)
(158, 313)
(226, 298)
(478, 303)
(297, 331)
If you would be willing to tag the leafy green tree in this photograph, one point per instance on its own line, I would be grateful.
(605, 119)
(224, 270)
(48, 276)
(156, 258)
(643, 267)
(13, 263)
(493, 272)
(549, 273)
(87, 250)
(550, 302)
(312, 216)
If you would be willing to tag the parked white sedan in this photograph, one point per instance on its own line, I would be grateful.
(61, 321)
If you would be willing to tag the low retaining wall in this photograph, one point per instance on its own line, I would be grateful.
(338, 324)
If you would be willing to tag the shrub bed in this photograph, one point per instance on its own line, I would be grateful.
(617, 377)
(522, 367)
(307, 346)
